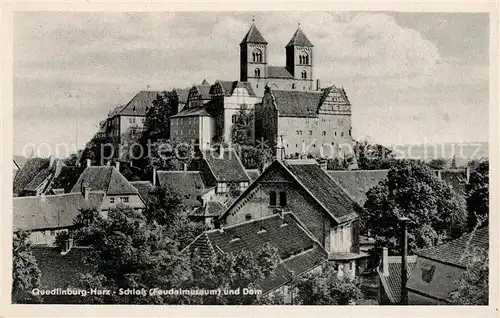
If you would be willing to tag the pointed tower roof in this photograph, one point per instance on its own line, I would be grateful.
(299, 39)
(253, 36)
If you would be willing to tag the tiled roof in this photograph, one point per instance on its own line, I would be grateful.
(357, 182)
(456, 179)
(60, 271)
(226, 167)
(453, 252)
(51, 211)
(183, 94)
(299, 39)
(145, 188)
(211, 209)
(298, 251)
(204, 91)
(253, 36)
(188, 184)
(253, 173)
(229, 87)
(67, 178)
(137, 105)
(392, 282)
(19, 161)
(297, 103)
(324, 189)
(195, 111)
(104, 178)
(39, 179)
(31, 168)
(278, 72)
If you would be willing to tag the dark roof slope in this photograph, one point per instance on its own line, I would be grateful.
(188, 184)
(299, 39)
(145, 188)
(297, 103)
(454, 252)
(138, 104)
(211, 209)
(357, 182)
(324, 189)
(226, 166)
(39, 179)
(298, 250)
(104, 178)
(278, 72)
(31, 168)
(51, 211)
(392, 282)
(67, 178)
(253, 36)
(229, 87)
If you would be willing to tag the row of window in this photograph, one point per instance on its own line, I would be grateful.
(122, 199)
(299, 132)
(222, 187)
(180, 121)
(181, 132)
(303, 75)
(273, 196)
(132, 120)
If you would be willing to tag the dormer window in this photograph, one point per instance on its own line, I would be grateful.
(262, 230)
(428, 272)
(235, 239)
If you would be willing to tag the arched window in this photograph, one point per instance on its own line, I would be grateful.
(303, 58)
(257, 55)
(304, 74)
(257, 72)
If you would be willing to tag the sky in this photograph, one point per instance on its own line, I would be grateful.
(411, 78)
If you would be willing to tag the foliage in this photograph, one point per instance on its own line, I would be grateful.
(373, 156)
(25, 272)
(129, 252)
(234, 190)
(157, 124)
(478, 194)
(325, 288)
(229, 271)
(412, 190)
(438, 164)
(473, 283)
(254, 157)
(336, 164)
(60, 241)
(242, 128)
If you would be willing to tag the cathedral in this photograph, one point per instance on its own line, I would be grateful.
(297, 74)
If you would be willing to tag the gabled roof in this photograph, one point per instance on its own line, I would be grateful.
(253, 36)
(297, 103)
(392, 282)
(67, 178)
(183, 94)
(228, 87)
(454, 252)
(188, 184)
(253, 173)
(104, 178)
(278, 72)
(299, 39)
(299, 252)
(31, 168)
(323, 188)
(357, 182)
(225, 166)
(138, 105)
(193, 111)
(51, 211)
(145, 188)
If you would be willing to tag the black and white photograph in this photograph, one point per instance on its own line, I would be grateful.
(263, 158)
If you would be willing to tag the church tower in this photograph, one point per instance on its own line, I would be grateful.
(299, 58)
(253, 58)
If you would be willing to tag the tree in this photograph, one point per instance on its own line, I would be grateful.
(478, 194)
(325, 288)
(254, 157)
(242, 128)
(25, 272)
(157, 123)
(438, 163)
(373, 156)
(412, 190)
(231, 272)
(129, 252)
(473, 283)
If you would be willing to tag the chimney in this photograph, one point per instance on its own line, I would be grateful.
(184, 166)
(404, 260)
(318, 85)
(117, 165)
(323, 164)
(89, 162)
(108, 163)
(41, 196)
(85, 193)
(385, 261)
(467, 173)
(154, 177)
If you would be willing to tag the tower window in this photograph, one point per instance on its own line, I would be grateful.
(304, 58)
(257, 56)
(257, 72)
(304, 74)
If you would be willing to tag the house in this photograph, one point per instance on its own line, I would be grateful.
(299, 123)
(47, 215)
(189, 185)
(145, 188)
(65, 180)
(36, 175)
(208, 213)
(299, 252)
(223, 169)
(302, 187)
(357, 182)
(389, 275)
(438, 268)
(109, 180)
